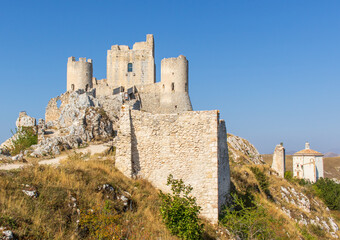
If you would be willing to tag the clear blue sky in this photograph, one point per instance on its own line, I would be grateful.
(271, 67)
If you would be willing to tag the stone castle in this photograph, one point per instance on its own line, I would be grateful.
(156, 131)
(132, 71)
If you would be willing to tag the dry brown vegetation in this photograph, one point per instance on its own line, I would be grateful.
(51, 215)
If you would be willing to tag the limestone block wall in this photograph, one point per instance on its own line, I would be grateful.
(143, 64)
(279, 160)
(190, 145)
(149, 97)
(53, 110)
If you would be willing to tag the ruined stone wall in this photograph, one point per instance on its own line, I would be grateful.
(53, 110)
(143, 64)
(149, 96)
(190, 146)
(279, 160)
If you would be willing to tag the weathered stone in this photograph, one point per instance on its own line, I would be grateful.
(279, 160)
(239, 146)
(25, 121)
(191, 146)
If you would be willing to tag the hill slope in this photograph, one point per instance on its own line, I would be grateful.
(294, 210)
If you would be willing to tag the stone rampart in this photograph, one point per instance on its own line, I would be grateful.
(191, 146)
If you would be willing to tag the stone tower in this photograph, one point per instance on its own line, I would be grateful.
(174, 85)
(79, 74)
(279, 160)
(129, 67)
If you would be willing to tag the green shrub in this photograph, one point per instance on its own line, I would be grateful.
(24, 138)
(329, 192)
(262, 180)
(290, 178)
(180, 211)
(247, 221)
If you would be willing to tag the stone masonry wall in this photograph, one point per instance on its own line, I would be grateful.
(52, 110)
(190, 146)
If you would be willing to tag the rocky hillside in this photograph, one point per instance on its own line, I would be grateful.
(298, 213)
(241, 150)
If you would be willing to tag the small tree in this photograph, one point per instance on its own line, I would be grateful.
(247, 222)
(180, 212)
(23, 139)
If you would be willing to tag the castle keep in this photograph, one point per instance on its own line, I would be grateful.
(132, 71)
(157, 133)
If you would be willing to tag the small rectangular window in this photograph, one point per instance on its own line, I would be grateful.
(129, 67)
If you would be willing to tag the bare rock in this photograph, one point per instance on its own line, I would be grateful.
(25, 121)
(238, 146)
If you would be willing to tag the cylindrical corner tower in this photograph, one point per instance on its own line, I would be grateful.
(79, 74)
(174, 85)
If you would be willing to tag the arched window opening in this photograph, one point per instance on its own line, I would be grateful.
(130, 67)
(172, 86)
(72, 87)
(86, 87)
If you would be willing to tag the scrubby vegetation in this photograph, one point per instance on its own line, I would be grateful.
(23, 139)
(329, 192)
(289, 177)
(180, 211)
(246, 219)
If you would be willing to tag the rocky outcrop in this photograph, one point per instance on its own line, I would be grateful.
(82, 119)
(25, 121)
(240, 149)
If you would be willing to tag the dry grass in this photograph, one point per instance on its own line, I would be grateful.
(50, 217)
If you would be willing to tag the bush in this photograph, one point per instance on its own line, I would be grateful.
(262, 179)
(247, 221)
(24, 138)
(180, 211)
(329, 192)
(290, 178)
(101, 222)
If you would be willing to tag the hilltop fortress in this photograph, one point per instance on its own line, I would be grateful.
(150, 123)
(133, 71)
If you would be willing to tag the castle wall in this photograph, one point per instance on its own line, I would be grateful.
(190, 146)
(79, 74)
(52, 110)
(149, 97)
(143, 64)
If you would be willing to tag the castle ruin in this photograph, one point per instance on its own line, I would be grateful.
(279, 160)
(157, 132)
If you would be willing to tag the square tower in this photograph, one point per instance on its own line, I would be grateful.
(128, 67)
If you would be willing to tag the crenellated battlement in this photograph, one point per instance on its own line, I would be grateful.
(73, 59)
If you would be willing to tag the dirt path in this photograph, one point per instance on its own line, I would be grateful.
(93, 149)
